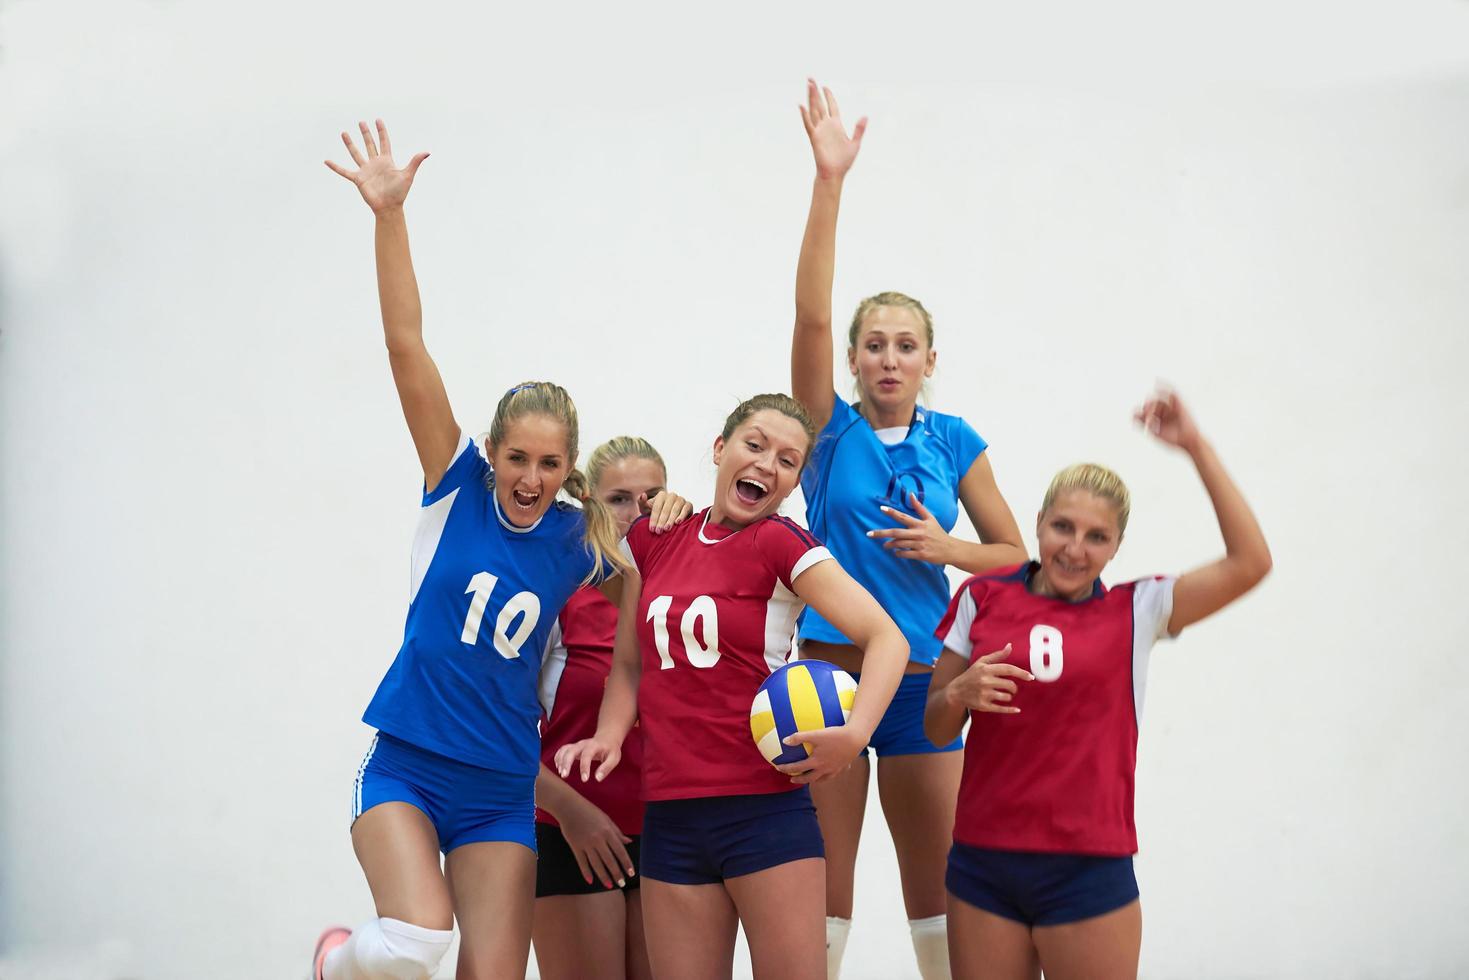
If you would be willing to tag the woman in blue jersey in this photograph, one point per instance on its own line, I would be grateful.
(453, 766)
(881, 462)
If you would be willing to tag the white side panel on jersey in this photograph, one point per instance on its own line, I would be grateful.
(552, 665)
(627, 553)
(957, 638)
(431, 521)
(780, 622)
(1152, 607)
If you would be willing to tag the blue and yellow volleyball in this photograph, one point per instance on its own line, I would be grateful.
(802, 696)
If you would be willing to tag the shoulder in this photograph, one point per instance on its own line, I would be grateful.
(956, 432)
(778, 529)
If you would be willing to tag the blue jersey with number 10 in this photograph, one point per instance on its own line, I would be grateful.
(484, 597)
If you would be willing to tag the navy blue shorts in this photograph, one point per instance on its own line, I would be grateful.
(466, 804)
(900, 732)
(1039, 889)
(706, 840)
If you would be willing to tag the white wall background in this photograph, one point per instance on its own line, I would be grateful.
(207, 493)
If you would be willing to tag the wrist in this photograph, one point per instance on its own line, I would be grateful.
(392, 212)
(829, 182)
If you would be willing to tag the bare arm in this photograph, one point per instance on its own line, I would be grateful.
(420, 389)
(828, 589)
(619, 698)
(1246, 560)
(811, 344)
(943, 719)
(959, 686)
(923, 538)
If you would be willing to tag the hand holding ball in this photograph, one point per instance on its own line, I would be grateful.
(802, 696)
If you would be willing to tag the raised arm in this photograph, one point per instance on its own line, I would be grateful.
(841, 601)
(619, 699)
(811, 345)
(420, 389)
(1246, 560)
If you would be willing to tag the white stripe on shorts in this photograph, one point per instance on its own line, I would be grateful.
(357, 784)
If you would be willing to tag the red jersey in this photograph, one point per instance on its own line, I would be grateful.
(716, 616)
(573, 677)
(1059, 776)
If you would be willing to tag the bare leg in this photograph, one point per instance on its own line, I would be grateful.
(841, 802)
(580, 936)
(1104, 947)
(398, 849)
(780, 909)
(690, 930)
(494, 888)
(984, 946)
(638, 967)
(919, 794)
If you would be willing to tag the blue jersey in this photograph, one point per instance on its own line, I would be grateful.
(484, 597)
(851, 474)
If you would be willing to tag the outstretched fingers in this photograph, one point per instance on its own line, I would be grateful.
(356, 154)
(813, 102)
(382, 138)
(367, 140)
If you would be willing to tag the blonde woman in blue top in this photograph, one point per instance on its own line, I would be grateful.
(883, 491)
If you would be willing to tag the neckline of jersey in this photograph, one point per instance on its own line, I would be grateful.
(705, 523)
(505, 521)
(1027, 575)
(920, 416)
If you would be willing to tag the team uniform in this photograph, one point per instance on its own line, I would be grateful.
(716, 617)
(854, 470)
(578, 659)
(1044, 830)
(457, 713)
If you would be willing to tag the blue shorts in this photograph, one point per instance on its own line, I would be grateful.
(1039, 889)
(466, 804)
(901, 730)
(706, 840)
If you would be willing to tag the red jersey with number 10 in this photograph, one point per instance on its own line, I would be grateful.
(1058, 776)
(716, 617)
(573, 677)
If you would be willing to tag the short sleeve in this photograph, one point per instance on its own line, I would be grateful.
(1152, 607)
(789, 549)
(467, 467)
(968, 445)
(958, 620)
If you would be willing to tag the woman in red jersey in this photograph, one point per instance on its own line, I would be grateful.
(727, 839)
(589, 919)
(1040, 876)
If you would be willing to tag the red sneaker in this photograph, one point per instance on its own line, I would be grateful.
(329, 940)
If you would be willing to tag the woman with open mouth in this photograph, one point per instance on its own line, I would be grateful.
(453, 766)
(727, 839)
(881, 461)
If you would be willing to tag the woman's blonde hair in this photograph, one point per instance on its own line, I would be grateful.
(620, 448)
(775, 402)
(552, 401)
(1095, 480)
(890, 298)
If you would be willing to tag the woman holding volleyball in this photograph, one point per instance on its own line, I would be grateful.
(589, 919)
(1050, 666)
(879, 462)
(453, 767)
(727, 839)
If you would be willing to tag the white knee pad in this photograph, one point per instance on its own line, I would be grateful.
(388, 949)
(931, 946)
(836, 944)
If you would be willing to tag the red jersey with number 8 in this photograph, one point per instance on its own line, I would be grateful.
(717, 616)
(1057, 777)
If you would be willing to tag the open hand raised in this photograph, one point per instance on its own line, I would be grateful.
(381, 184)
(834, 150)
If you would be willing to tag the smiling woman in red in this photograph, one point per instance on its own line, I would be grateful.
(728, 839)
(1050, 665)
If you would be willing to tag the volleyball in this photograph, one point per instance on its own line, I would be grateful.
(800, 697)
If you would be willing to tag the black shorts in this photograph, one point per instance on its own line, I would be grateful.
(557, 872)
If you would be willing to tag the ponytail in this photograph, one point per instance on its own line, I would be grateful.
(602, 539)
